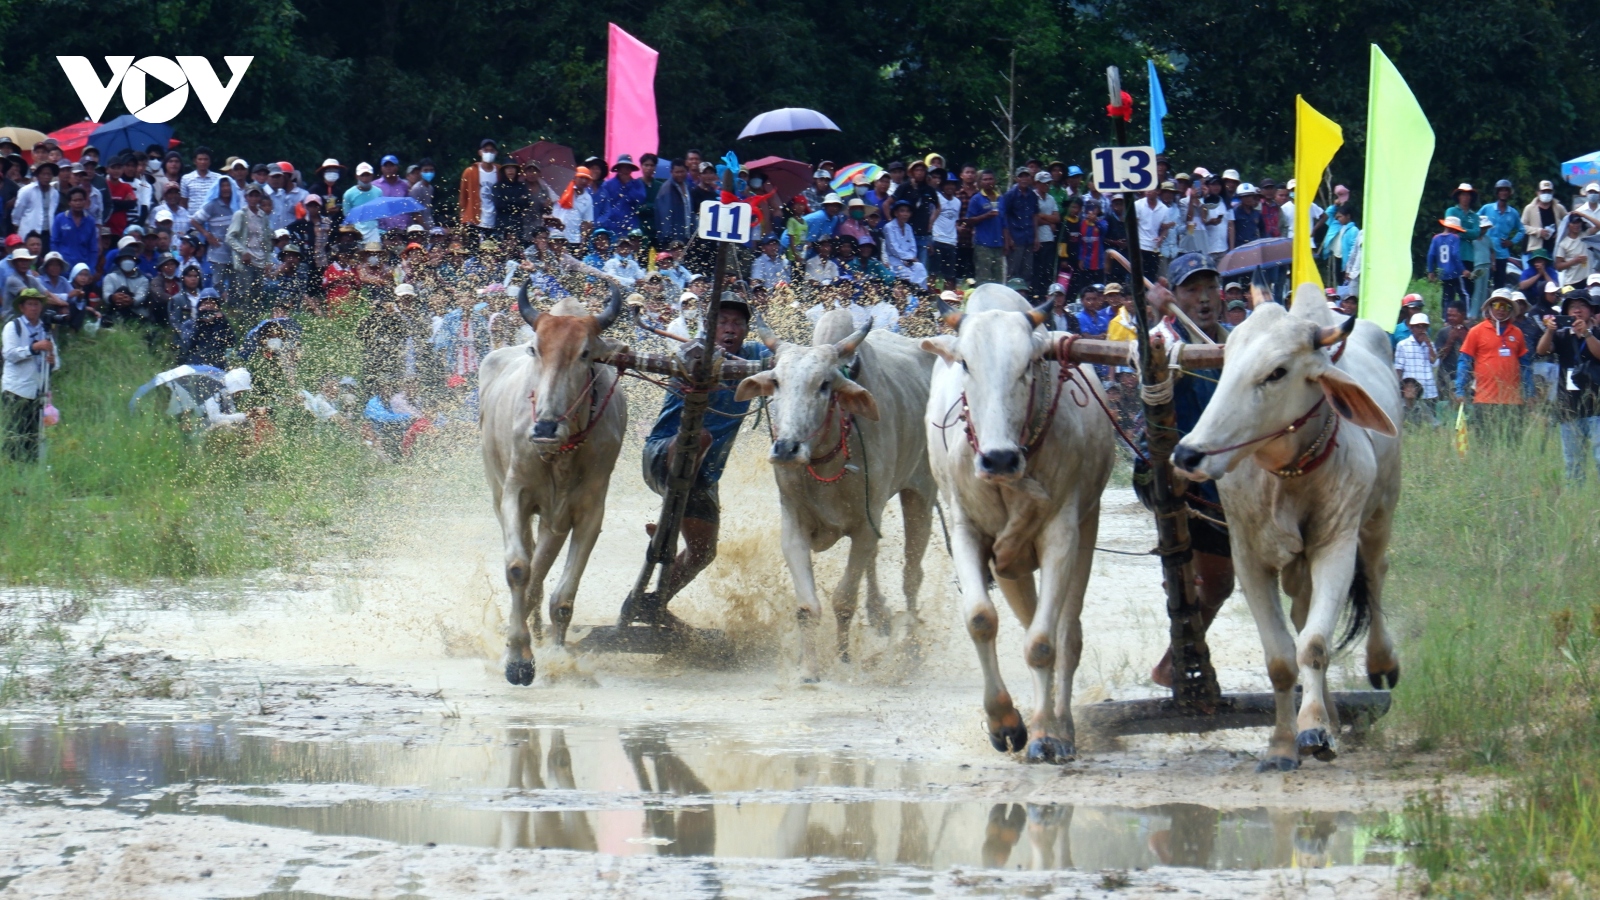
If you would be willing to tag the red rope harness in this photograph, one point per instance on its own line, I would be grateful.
(1314, 456)
(597, 408)
(1066, 372)
(846, 424)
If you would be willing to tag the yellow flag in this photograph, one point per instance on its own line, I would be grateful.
(1461, 430)
(1316, 139)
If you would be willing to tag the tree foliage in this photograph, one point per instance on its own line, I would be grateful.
(1506, 83)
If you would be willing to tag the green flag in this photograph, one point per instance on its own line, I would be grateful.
(1399, 148)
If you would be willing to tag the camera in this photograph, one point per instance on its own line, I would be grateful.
(51, 318)
(1563, 321)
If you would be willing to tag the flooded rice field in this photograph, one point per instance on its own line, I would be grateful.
(341, 728)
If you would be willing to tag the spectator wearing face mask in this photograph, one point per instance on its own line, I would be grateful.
(1541, 216)
(477, 184)
(421, 177)
(126, 289)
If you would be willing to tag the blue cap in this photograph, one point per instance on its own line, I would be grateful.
(1187, 266)
(391, 158)
(211, 294)
(1074, 170)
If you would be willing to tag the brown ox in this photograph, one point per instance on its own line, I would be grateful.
(552, 424)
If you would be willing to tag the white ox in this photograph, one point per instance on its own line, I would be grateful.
(1307, 501)
(846, 437)
(1022, 473)
(552, 426)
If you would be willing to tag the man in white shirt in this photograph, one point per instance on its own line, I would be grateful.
(944, 256)
(1286, 203)
(1218, 218)
(1046, 261)
(1153, 226)
(37, 203)
(196, 186)
(622, 266)
(900, 247)
(286, 196)
(171, 207)
(1414, 360)
(29, 355)
(575, 209)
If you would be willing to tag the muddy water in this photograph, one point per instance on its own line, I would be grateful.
(663, 792)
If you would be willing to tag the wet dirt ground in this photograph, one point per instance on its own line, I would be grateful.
(341, 728)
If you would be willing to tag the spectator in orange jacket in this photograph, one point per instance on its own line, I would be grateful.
(1492, 354)
(477, 182)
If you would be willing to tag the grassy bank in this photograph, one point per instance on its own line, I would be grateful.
(129, 497)
(1494, 577)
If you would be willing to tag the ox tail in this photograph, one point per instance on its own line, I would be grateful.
(1360, 605)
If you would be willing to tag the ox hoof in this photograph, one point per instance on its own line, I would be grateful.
(520, 671)
(1378, 679)
(1009, 738)
(1050, 750)
(1278, 764)
(1315, 742)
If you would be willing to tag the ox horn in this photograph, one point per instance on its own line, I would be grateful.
(847, 347)
(1039, 314)
(950, 315)
(766, 334)
(1333, 334)
(612, 310)
(529, 313)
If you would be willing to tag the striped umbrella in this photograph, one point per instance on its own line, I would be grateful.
(844, 179)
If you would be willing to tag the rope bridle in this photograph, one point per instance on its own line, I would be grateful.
(846, 425)
(597, 408)
(1315, 455)
(1035, 428)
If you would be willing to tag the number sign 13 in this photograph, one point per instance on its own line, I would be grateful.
(724, 222)
(1119, 169)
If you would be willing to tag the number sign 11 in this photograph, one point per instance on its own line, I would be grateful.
(1118, 169)
(724, 222)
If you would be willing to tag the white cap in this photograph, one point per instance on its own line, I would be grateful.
(1290, 185)
(1231, 175)
(1418, 319)
(950, 297)
(129, 240)
(364, 169)
(1463, 186)
(414, 227)
(1483, 222)
(405, 290)
(21, 253)
(1246, 189)
(163, 215)
(281, 232)
(1547, 185)
(1043, 177)
(1520, 296)
(688, 297)
(831, 198)
(52, 255)
(856, 201)
(1592, 186)
(329, 163)
(1501, 294)
(1593, 279)
(237, 163)
(1549, 286)
(1202, 172)
(236, 380)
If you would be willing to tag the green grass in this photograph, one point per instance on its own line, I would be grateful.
(128, 497)
(1493, 578)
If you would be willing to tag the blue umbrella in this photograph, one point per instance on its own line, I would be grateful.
(129, 133)
(377, 209)
(1582, 170)
(788, 122)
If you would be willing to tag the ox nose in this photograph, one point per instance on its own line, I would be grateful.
(1187, 458)
(1000, 462)
(545, 430)
(784, 450)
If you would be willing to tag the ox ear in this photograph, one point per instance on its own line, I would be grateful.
(856, 400)
(943, 347)
(1352, 401)
(761, 384)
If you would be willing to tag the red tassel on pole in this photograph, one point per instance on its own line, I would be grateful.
(1125, 110)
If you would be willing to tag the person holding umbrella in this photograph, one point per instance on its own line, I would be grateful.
(392, 185)
(363, 193)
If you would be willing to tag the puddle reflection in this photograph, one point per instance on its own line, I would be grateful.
(641, 792)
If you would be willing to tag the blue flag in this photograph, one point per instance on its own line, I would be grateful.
(1158, 110)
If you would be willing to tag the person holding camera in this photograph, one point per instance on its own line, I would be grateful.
(206, 339)
(30, 354)
(1577, 348)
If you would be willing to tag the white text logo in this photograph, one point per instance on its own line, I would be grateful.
(180, 75)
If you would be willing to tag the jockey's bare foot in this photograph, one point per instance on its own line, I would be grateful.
(649, 610)
(1162, 673)
(650, 529)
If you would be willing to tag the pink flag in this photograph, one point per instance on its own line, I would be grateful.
(630, 97)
